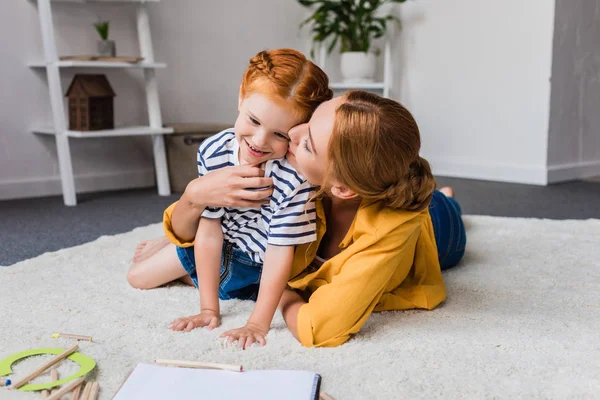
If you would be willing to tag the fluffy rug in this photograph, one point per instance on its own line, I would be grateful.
(522, 320)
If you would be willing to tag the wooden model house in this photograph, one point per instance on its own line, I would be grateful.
(90, 103)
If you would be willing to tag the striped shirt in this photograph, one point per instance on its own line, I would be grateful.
(288, 219)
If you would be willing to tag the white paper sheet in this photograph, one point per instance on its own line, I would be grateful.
(153, 382)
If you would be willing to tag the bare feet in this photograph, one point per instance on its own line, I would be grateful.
(148, 248)
(448, 191)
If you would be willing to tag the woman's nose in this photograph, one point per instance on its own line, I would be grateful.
(296, 133)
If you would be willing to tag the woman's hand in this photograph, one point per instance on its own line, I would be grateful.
(246, 335)
(209, 319)
(235, 186)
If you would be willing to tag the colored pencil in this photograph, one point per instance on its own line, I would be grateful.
(76, 392)
(196, 364)
(94, 391)
(85, 393)
(44, 367)
(71, 336)
(66, 389)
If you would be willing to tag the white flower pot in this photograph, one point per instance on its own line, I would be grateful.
(357, 67)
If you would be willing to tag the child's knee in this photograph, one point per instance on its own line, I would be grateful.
(136, 278)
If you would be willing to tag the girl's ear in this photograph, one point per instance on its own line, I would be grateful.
(342, 192)
(240, 98)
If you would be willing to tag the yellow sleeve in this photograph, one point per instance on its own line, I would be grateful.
(169, 229)
(338, 309)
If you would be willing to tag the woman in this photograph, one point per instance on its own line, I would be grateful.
(388, 232)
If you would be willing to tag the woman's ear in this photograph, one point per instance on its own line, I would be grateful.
(343, 192)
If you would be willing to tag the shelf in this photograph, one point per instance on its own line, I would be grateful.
(53, 65)
(105, 1)
(128, 131)
(99, 64)
(364, 86)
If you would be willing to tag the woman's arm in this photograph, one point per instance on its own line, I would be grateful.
(225, 187)
(289, 305)
(338, 309)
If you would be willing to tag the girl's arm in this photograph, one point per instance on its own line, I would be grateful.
(225, 187)
(276, 272)
(207, 252)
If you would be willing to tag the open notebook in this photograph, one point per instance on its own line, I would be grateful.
(150, 382)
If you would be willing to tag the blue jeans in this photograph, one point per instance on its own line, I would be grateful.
(448, 228)
(240, 276)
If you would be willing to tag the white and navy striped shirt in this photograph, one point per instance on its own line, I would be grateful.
(289, 219)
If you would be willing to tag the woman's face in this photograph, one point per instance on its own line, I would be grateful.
(308, 142)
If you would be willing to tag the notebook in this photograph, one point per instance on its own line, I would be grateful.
(154, 382)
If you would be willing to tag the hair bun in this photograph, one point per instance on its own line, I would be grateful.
(262, 62)
(414, 190)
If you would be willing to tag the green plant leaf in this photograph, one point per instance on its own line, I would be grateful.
(350, 23)
(102, 29)
(332, 44)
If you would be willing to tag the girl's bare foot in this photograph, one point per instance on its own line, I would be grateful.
(148, 248)
(448, 191)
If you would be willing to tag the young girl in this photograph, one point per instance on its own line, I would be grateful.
(239, 250)
(383, 233)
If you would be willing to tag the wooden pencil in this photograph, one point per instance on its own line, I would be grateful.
(325, 396)
(85, 393)
(54, 378)
(66, 389)
(76, 392)
(71, 336)
(94, 391)
(45, 366)
(196, 364)
(4, 382)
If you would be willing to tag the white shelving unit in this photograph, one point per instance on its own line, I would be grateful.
(59, 128)
(99, 64)
(384, 86)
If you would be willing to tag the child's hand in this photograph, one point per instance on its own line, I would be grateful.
(210, 319)
(247, 335)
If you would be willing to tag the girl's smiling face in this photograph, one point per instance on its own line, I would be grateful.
(262, 129)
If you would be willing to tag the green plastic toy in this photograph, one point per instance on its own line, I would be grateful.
(86, 364)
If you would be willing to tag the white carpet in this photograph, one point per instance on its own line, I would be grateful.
(522, 320)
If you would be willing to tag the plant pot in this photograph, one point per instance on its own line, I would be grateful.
(107, 48)
(357, 67)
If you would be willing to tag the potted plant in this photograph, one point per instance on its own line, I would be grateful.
(106, 48)
(353, 24)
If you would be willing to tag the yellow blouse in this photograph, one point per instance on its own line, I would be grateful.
(388, 262)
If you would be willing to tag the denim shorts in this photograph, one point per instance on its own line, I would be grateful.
(240, 276)
(448, 228)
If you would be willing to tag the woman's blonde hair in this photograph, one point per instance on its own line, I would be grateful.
(286, 76)
(374, 150)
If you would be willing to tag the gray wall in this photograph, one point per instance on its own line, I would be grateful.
(574, 132)
(205, 44)
(480, 115)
